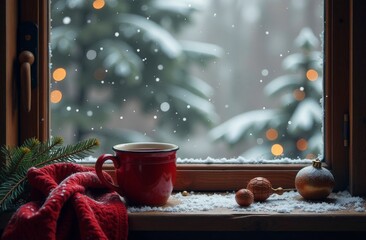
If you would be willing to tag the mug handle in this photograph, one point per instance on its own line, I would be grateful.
(99, 171)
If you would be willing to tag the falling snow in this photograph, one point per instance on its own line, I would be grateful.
(264, 72)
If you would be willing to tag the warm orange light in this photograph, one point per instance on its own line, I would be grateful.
(277, 149)
(59, 74)
(56, 96)
(298, 94)
(271, 134)
(98, 4)
(302, 144)
(310, 156)
(312, 75)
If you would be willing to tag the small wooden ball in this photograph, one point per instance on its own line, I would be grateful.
(261, 188)
(244, 197)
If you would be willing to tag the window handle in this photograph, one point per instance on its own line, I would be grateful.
(26, 59)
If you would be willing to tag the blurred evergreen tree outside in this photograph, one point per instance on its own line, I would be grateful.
(105, 53)
(113, 58)
(295, 129)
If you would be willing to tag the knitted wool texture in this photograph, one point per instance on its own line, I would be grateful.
(68, 202)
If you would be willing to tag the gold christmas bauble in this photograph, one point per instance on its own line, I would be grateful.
(314, 182)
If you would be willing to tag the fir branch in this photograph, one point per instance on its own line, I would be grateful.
(46, 148)
(5, 150)
(31, 143)
(13, 158)
(33, 153)
(13, 167)
(69, 153)
(11, 191)
(3, 163)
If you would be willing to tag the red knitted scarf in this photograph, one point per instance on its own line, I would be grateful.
(68, 202)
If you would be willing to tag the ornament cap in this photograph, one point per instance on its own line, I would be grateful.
(317, 163)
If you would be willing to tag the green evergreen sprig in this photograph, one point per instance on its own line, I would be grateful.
(32, 153)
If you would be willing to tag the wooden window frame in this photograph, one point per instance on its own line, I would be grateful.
(344, 96)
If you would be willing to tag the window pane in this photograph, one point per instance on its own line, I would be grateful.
(220, 78)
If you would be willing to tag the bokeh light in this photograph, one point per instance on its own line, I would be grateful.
(56, 96)
(271, 134)
(312, 75)
(302, 144)
(59, 74)
(310, 156)
(298, 94)
(277, 149)
(98, 4)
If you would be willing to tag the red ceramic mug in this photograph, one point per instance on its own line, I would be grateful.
(145, 172)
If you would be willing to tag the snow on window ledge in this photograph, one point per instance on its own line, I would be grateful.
(286, 203)
(242, 160)
(209, 160)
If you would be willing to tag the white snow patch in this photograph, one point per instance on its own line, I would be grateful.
(286, 203)
(238, 160)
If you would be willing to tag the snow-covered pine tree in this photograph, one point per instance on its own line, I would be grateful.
(294, 129)
(117, 52)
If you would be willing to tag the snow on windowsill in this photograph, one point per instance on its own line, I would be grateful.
(209, 160)
(286, 203)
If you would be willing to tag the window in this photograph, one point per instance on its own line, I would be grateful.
(344, 88)
(218, 78)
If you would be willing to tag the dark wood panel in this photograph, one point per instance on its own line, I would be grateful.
(226, 220)
(358, 99)
(8, 61)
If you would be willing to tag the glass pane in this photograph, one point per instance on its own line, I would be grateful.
(219, 78)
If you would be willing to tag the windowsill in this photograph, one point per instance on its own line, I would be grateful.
(228, 223)
(221, 221)
(228, 220)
